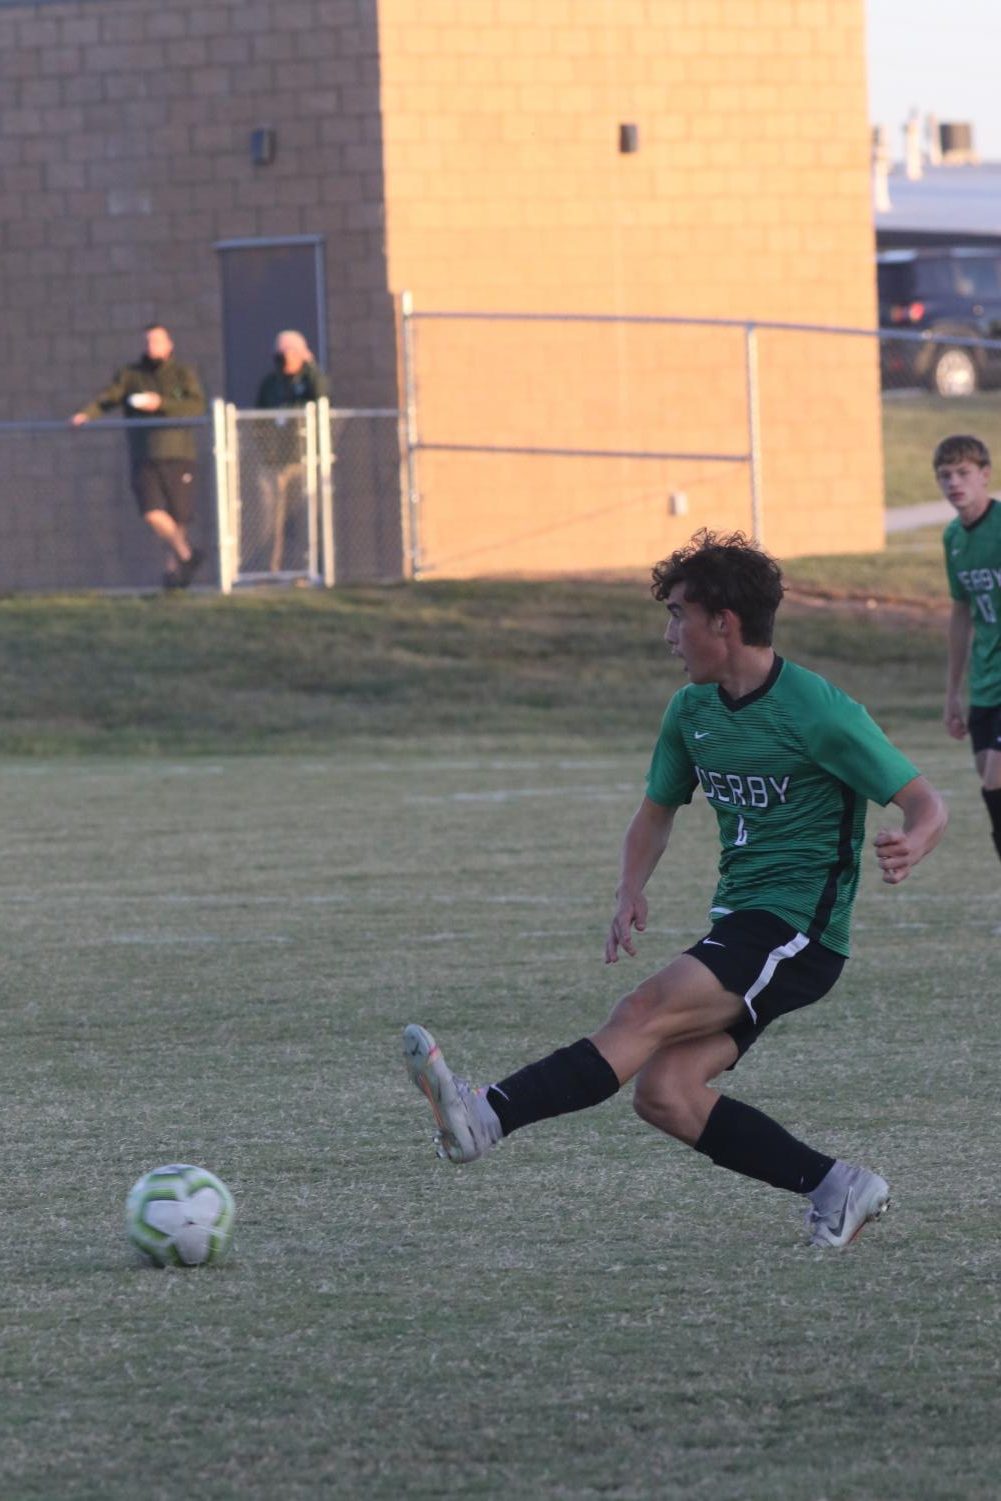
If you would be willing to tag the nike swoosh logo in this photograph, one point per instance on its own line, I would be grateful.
(701, 734)
(839, 1226)
(715, 943)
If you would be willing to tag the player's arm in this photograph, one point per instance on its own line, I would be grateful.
(959, 637)
(925, 818)
(645, 842)
(112, 396)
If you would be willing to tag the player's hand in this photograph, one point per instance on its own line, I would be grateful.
(955, 718)
(895, 855)
(78, 419)
(630, 913)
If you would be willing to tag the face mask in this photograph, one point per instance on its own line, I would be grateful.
(280, 363)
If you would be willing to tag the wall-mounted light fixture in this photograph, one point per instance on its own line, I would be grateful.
(263, 145)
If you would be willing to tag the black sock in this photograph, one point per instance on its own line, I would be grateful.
(572, 1078)
(992, 797)
(738, 1137)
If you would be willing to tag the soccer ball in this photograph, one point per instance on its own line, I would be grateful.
(180, 1215)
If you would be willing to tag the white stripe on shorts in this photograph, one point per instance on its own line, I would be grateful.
(784, 951)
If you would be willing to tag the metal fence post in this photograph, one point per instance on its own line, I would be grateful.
(326, 461)
(312, 494)
(411, 508)
(223, 503)
(754, 429)
(234, 482)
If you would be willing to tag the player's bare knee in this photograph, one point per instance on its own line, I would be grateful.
(667, 1112)
(650, 1108)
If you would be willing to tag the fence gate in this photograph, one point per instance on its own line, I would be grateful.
(308, 493)
(275, 495)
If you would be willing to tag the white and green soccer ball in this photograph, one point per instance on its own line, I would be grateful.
(180, 1215)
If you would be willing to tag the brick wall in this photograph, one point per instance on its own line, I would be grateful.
(125, 156)
(749, 198)
(124, 147)
(468, 150)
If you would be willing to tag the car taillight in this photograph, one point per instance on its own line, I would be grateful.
(907, 312)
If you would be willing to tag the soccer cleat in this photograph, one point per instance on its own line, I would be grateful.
(863, 1196)
(467, 1124)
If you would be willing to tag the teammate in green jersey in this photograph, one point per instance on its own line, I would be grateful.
(787, 762)
(973, 564)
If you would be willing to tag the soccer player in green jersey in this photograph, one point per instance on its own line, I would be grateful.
(787, 762)
(973, 564)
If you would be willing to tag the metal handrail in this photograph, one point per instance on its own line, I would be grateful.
(581, 453)
(105, 424)
(679, 320)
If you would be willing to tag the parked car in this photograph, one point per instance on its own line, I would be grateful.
(945, 294)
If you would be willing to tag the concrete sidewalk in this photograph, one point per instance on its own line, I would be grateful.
(909, 518)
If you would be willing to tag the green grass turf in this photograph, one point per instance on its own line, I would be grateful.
(910, 570)
(310, 673)
(210, 957)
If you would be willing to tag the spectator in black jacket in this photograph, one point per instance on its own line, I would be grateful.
(296, 380)
(162, 458)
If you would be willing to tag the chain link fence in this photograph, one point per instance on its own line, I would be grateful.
(542, 442)
(309, 494)
(273, 496)
(794, 432)
(70, 519)
(368, 490)
(682, 418)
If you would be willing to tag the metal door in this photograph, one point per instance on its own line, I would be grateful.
(268, 285)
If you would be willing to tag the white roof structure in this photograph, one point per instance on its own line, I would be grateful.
(953, 201)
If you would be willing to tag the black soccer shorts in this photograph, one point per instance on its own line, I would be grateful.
(166, 485)
(770, 963)
(985, 728)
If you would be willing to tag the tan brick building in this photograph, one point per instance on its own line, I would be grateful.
(469, 151)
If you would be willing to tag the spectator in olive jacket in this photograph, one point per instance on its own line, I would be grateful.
(162, 458)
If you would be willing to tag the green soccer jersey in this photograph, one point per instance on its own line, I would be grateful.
(973, 564)
(787, 770)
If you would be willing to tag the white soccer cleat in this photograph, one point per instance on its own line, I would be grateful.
(857, 1197)
(467, 1123)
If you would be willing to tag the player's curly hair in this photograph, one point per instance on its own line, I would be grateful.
(960, 446)
(726, 571)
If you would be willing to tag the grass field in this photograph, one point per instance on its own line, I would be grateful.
(300, 673)
(914, 422)
(209, 956)
(909, 571)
